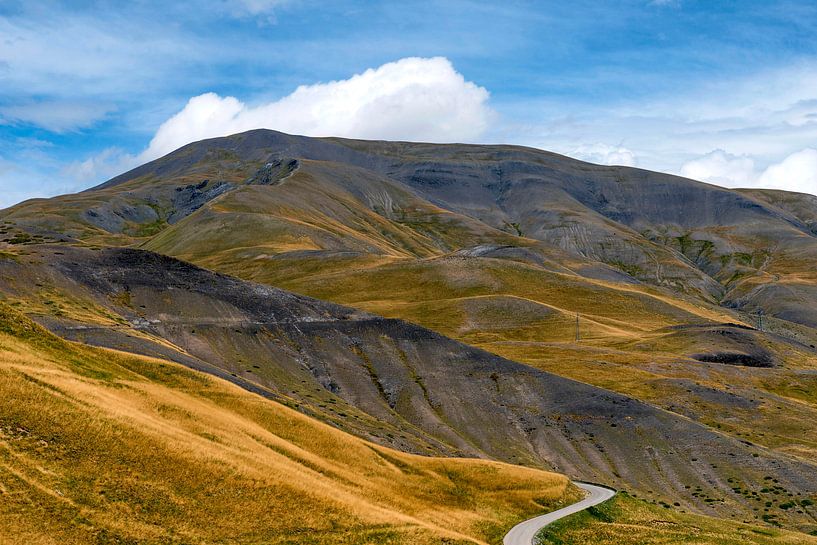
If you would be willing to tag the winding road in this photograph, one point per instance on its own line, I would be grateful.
(523, 533)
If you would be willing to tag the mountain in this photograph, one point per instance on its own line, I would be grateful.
(360, 200)
(99, 446)
(672, 390)
(387, 380)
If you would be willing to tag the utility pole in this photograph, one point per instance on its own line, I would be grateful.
(760, 320)
(578, 337)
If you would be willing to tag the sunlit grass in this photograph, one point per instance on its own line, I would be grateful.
(627, 343)
(628, 521)
(102, 447)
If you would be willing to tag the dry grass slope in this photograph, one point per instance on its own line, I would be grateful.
(102, 447)
(625, 520)
(635, 339)
(383, 227)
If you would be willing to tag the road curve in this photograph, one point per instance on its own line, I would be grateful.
(523, 533)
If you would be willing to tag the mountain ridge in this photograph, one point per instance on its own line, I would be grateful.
(373, 370)
(643, 285)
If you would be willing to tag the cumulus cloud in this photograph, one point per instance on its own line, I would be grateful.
(410, 99)
(722, 168)
(604, 154)
(756, 121)
(797, 172)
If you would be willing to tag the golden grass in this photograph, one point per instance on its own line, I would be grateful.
(102, 447)
(628, 521)
(527, 314)
(420, 290)
(308, 212)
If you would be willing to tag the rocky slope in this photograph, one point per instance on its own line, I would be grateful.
(500, 247)
(746, 249)
(392, 382)
(109, 448)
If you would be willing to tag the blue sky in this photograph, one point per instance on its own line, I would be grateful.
(720, 91)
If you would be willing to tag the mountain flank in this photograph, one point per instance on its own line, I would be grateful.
(650, 332)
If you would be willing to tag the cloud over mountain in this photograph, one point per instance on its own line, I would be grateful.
(721, 167)
(796, 172)
(409, 99)
(604, 154)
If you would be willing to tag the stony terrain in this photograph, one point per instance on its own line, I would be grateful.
(693, 380)
(395, 383)
(103, 447)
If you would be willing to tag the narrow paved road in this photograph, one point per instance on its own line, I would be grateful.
(523, 533)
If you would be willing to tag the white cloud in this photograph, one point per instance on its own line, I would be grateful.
(57, 116)
(759, 121)
(33, 173)
(604, 154)
(72, 55)
(104, 165)
(797, 172)
(19, 182)
(410, 99)
(722, 168)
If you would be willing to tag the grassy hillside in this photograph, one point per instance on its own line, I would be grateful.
(626, 520)
(263, 194)
(635, 339)
(103, 447)
(405, 387)
(499, 247)
(321, 207)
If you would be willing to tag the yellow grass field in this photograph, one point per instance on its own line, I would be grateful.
(102, 447)
(627, 521)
